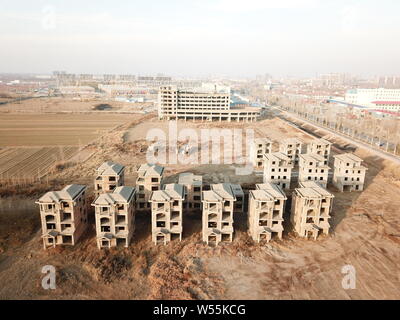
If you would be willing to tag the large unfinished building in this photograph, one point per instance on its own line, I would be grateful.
(64, 215)
(258, 148)
(348, 174)
(266, 208)
(166, 213)
(208, 103)
(193, 187)
(321, 147)
(110, 175)
(313, 167)
(149, 179)
(278, 169)
(292, 147)
(218, 210)
(311, 207)
(115, 217)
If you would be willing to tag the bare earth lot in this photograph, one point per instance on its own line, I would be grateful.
(55, 105)
(365, 233)
(55, 129)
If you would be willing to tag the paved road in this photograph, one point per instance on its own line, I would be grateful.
(359, 144)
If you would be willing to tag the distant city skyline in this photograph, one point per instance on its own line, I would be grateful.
(297, 38)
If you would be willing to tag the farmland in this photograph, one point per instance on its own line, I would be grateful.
(31, 144)
(54, 129)
(31, 163)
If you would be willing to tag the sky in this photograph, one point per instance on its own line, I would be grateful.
(196, 38)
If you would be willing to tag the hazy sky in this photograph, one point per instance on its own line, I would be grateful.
(198, 38)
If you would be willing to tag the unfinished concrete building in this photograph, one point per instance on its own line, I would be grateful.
(218, 210)
(110, 175)
(321, 147)
(115, 217)
(313, 167)
(149, 179)
(64, 215)
(207, 103)
(258, 148)
(292, 147)
(311, 207)
(266, 208)
(193, 188)
(349, 174)
(278, 169)
(166, 213)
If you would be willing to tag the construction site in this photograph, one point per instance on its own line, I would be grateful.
(201, 231)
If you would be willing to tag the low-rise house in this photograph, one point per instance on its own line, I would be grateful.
(311, 207)
(115, 217)
(149, 180)
(167, 213)
(349, 174)
(258, 148)
(193, 187)
(218, 210)
(110, 175)
(64, 215)
(278, 169)
(292, 147)
(321, 147)
(314, 167)
(266, 208)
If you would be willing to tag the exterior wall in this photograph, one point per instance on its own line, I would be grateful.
(307, 212)
(265, 213)
(313, 170)
(145, 185)
(117, 220)
(366, 97)
(108, 183)
(279, 173)
(292, 149)
(190, 105)
(193, 197)
(320, 148)
(69, 218)
(348, 176)
(166, 221)
(218, 221)
(258, 148)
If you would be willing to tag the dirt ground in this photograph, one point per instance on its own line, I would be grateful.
(55, 129)
(365, 234)
(56, 105)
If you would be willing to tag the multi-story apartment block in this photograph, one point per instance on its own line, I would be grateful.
(193, 187)
(110, 175)
(218, 209)
(266, 208)
(115, 217)
(210, 102)
(292, 147)
(348, 174)
(149, 179)
(278, 169)
(64, 215)
(321, 147)
(379, 98)
(258, 148)
(166, 213)
(313, 167)
(311, 207)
